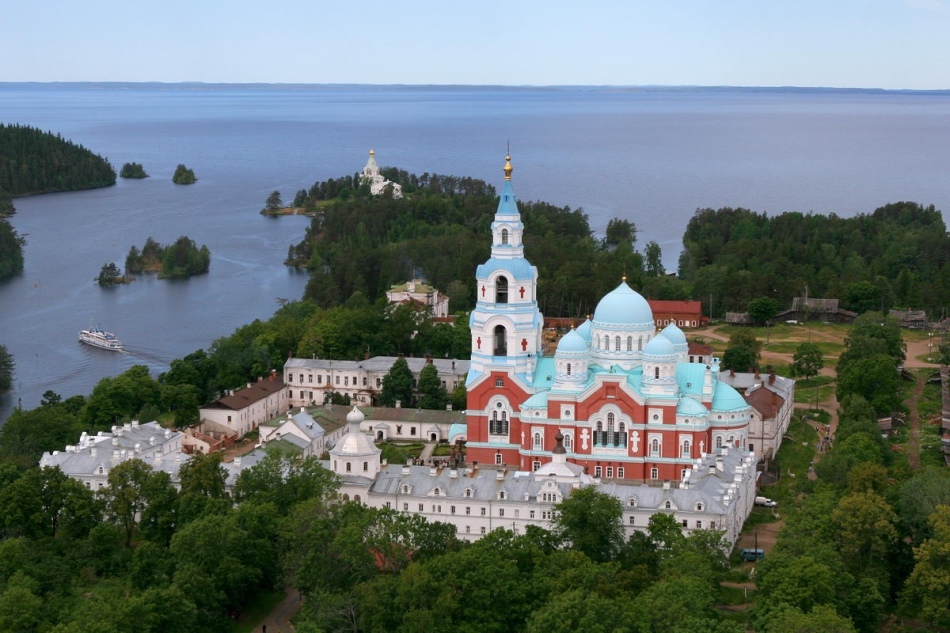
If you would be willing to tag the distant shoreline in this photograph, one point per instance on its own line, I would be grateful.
(652, 88)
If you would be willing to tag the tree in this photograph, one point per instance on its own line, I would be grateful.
(591, 522)
(927, 590)
(763, 309)
(865, 530)
(11, 250)
(273, 202)
(183, 176)
(823, 618)
(432, 394)
(397, 385)
(109, 275)
(124, 498)
(807, 361)
(654, 260)
(6, 368)
(620, 231)
(742, 352)
(875, 378)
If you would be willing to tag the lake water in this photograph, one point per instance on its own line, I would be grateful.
(653, 156)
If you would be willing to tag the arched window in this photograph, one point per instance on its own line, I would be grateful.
(365, 466)
(600, 425)
(499, 382)
(610, 422)
(501, 290)
(598, 341)
(655, 446)
(504, 236)
(629, 343)
(686, 448)
(606, 343)
(617, 343)
(567, 442)
(640, 344)
(501, 341)
(718, 442)
(654, 473)
(656, 372)
(668, 505)
(568, 369)
(348, 467)
(537, 440)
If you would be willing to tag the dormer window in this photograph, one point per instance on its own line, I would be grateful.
(632, 502)
(699, 506)
(435, 492)
(668, 505)
(501, 495)
(468, 492)
(405, 489)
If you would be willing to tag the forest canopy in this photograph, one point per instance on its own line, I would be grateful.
(33, 162)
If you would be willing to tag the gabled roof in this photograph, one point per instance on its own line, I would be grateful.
(243, 398)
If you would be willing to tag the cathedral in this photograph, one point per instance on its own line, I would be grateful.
(622, 395)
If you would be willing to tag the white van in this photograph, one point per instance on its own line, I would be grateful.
(765, 501)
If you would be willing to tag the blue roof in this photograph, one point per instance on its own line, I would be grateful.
(507, 203)
(675, 334)
(584, 330)
(691, 406)
(539, 399)
(623, 306)
(572, 342)
(544, 373)
(725, 398)
(659, 346)
(457, 430)
(689, 377)
(519, 267)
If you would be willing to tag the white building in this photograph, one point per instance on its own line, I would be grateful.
(310, 380)
(717, 492)
(377, 183)
(772, 399)
(94, 456)
(240, 411)
(419, 293)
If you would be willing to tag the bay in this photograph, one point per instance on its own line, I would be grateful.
(651, 155)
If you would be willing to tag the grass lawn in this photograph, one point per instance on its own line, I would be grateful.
(796, 453)
(255, 611)
(399, 453)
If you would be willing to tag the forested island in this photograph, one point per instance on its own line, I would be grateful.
(32, 161)
(183, 176)
(182, 259)
(132, 170)
(897, 256)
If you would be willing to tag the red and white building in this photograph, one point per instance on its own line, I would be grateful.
(624, 395)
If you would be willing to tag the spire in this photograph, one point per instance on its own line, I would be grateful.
(508, 168)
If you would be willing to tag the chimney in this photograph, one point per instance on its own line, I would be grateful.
(366, 355)
(453, 474)
(406, 470)
(500, 475)
(448, 406)
(398, 404)
(772, 378)
(428, 360)
(237, 461)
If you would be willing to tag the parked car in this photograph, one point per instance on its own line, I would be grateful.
(752, 555)
(765, 501)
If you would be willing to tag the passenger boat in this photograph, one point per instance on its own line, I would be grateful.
(100, 338)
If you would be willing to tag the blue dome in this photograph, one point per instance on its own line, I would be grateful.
(725, 398)
(675, 334)
(572, 342)
(583, 330)
(623, 306)
(659, 346)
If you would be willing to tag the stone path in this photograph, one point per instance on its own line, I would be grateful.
(427, 451)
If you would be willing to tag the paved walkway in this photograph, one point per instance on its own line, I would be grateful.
(427, 451)
(278, 621)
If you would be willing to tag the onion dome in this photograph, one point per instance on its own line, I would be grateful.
(355, 443)
(659, 347)
(674, 334)
(691, 407)
(583, 330)
(572, 343)
(725, 398)
(623, 306)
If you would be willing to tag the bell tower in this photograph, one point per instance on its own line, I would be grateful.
(506, 323)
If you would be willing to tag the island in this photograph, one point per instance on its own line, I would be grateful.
(181, 259)
(48, 163)
(184, 176)
(132, 170)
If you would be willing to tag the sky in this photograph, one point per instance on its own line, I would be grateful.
(893, 44)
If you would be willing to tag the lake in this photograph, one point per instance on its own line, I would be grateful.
(649, 155)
